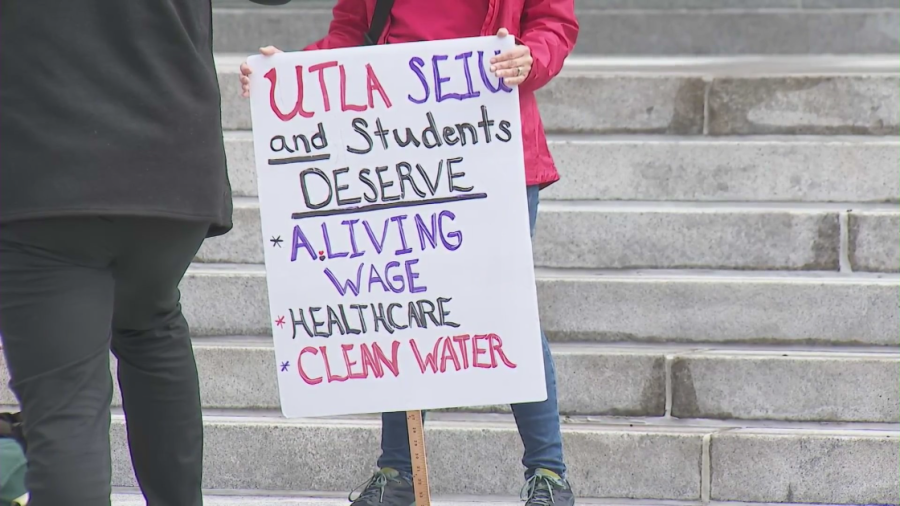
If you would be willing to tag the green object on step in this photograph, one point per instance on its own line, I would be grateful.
(12, 473)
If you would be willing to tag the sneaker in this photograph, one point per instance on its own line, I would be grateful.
(385, 488)
(546, 488)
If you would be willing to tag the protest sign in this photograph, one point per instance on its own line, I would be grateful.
(395, 227)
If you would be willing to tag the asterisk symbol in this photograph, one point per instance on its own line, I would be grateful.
(276, 241)
(280, 322)
(284, 366)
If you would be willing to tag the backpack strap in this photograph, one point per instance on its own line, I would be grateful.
(379, 19)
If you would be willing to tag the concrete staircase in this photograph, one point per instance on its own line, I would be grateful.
(721, 292)
(717, 271)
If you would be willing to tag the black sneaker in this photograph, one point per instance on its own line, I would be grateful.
(385, 488)
(546, 488)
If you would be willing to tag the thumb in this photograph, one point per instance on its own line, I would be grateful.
(269, 50)
(503, 32)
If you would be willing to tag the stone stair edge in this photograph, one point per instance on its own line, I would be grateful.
(627, 275)
(124, 496)
(641, 138)
(548, 205)
(699, 66)
(674, 350)
(471, 420)
(131, 497)
(479, 420)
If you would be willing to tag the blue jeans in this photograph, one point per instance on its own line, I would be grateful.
(538, 422)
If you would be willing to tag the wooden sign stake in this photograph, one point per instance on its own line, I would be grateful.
(416, 432)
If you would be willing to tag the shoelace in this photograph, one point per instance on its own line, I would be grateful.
(373, 487)
(538, 491)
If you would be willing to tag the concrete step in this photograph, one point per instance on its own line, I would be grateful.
(646, 236)
(710, 169)
(630, 27)
(133, 498)
(724, 169)
(777, 384)
(664, 235)
(647, 306)
(854, 464)
(688, 381)
(821, 96)
(873, 241)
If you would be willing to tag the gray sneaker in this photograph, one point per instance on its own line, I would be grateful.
(385, 488)
(546, 488)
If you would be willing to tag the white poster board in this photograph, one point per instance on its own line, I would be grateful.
(395, 227)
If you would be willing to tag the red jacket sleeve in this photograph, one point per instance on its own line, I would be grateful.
(349, 24)
(549, 28)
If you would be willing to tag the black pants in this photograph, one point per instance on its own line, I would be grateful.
(71, 290)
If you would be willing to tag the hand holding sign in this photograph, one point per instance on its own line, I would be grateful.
(512, 65)
(245, 69)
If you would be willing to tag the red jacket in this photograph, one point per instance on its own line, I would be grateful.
(547, 27)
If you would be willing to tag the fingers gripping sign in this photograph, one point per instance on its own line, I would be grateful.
(245, 69)
(513, 65)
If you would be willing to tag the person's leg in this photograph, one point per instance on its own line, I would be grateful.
(538, 422)
(157, 372)
(395, 443)
(391, 485)
(56, 302)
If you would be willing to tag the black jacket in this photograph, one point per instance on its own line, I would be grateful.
(111, 107)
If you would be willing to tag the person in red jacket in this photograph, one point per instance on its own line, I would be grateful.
(545, 32)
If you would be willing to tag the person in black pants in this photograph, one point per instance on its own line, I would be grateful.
(112, 172)
(66, 285)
